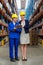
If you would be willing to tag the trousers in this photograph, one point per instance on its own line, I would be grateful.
(13, 46)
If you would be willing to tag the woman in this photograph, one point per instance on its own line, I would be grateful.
(14, 34)
(24, 38)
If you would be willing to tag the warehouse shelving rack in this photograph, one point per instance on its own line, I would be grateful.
(38, 15)
(6, 14)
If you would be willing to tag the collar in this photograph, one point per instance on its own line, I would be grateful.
(14, 23)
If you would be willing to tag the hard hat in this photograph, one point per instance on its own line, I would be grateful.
(22, 13)
(14, 16)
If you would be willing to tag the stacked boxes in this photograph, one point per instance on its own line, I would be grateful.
(33, 37)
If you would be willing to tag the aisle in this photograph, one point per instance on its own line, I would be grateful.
(34, 55)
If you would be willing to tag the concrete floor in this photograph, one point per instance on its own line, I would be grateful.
(34, 55)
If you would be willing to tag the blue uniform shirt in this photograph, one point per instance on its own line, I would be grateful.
(12, 33)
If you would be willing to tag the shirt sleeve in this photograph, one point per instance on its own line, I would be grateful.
(10, 27)
(27, 24)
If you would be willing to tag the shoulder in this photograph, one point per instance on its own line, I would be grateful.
(26, 20)
(10, 23)
(20, 22)
(17, 22)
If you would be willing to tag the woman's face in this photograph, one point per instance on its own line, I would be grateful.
(15, 20)
(22, 17)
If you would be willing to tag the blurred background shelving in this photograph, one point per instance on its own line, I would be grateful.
(34, 14)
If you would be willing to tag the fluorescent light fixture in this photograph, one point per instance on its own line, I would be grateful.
(18, 4)
(27, 3)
